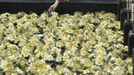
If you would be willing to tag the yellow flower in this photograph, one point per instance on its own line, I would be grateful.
(48, 57)
(99, 60)
(99, 73)
(87, 62)
(19, 70)
(7, 66)
(86, 71)
(83, 52)
(39, 67)
(59, 58)
(88, 40)
(55, 73)
(111, 38)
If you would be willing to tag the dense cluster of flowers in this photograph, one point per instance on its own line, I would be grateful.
(52, 44)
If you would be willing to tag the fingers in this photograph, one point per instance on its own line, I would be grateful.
(50, 9)
(53, 8)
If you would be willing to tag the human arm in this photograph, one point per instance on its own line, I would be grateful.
(53, 6)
